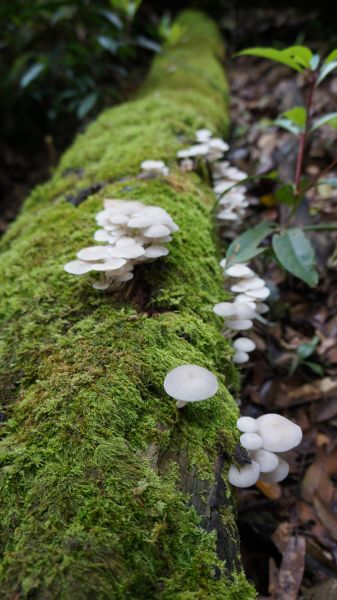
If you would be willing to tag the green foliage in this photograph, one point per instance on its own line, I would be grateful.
(62, 61)
(294, 252)
(246, 246)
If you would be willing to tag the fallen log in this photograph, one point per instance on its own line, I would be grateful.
(108, 490)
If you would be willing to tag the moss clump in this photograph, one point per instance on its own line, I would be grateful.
(86, 509)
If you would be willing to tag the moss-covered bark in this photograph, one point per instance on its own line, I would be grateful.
(104, 483)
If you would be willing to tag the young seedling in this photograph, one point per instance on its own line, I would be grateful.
(288, 244)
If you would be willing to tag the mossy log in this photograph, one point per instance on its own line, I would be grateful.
(108, 491)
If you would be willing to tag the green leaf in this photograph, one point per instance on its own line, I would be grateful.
(285, 194)
(307, 349)
(32, 73)
(298, 116)
(108, 43)
(276, 55)
(331, 57)
(296, 254)
(245, 246)
(145, 42)
(86, 104)
(325, 70)
(287, 125)
(329, 119)
(300, 54)
(315, 367)
(111, 17)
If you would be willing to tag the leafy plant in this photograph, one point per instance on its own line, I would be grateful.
(289, 245)
(65, 60)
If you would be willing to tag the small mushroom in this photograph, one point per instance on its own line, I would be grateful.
(190, 383)
(251, 441)
(240, 358)
(240, 270)
(277, 474)
(245, 476)
(267, 461)
(243, 344)
(278, 433)
(240, 324)
(247, 425)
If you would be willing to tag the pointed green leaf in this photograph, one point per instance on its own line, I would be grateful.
(325, 70)
(300, 54)
(287, 125)
(245, 246)
(272, 54)
(296, 254)
(330, 119)
(32, 73)
(298, 116)
(331, 57)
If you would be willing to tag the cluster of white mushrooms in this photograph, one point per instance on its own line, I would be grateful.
(132, 233)
(249, 291)
(265, 438)
(230, 193)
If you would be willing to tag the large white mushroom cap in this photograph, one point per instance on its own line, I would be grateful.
(278, 433)
(190, 383)
(246, 476)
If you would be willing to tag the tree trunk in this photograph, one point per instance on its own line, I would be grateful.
(108, 490)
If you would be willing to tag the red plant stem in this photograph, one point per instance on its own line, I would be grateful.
(304, 135)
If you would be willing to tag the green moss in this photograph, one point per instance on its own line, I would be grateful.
(87, 512)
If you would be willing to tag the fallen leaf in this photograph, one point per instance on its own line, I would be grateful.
(327, 517)
(291, 570)
(270, 490)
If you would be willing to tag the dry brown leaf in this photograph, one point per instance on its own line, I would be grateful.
(317, 476)
(281, 536)
(291, 570)
(327, 517)
(270, 490)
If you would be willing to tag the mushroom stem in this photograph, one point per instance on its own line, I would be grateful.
(180, 403)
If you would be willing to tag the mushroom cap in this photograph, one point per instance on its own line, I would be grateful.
(251, 283)
(131, 251)
(93, 253)
(240, 270)
(111, 264)
(240, 357)
(262, 308)
(244, 311)
(156, 251)
(156, 231)
(260, 294)
(243, 344)
(225, 309)
(152, 165)
(202, 135)
(190, 383)
(247, 425)
(196, 150)
(246, 476)
(267, 461)
(251, 441)
(240, 324)
(77, 267)
(278, 433)
(277, 474)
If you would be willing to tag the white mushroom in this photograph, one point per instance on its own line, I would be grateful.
(77, 267)
(278, 474)
(267, 461)
(240, 270)
(225, 309)
(278, 433)
(240, 324)
(247, 425)
(190, 383)
(240, 358)
(203, 135)
(243, 344)
(251, 441)
(246, 476)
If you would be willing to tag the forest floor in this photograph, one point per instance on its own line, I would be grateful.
(294, 370)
